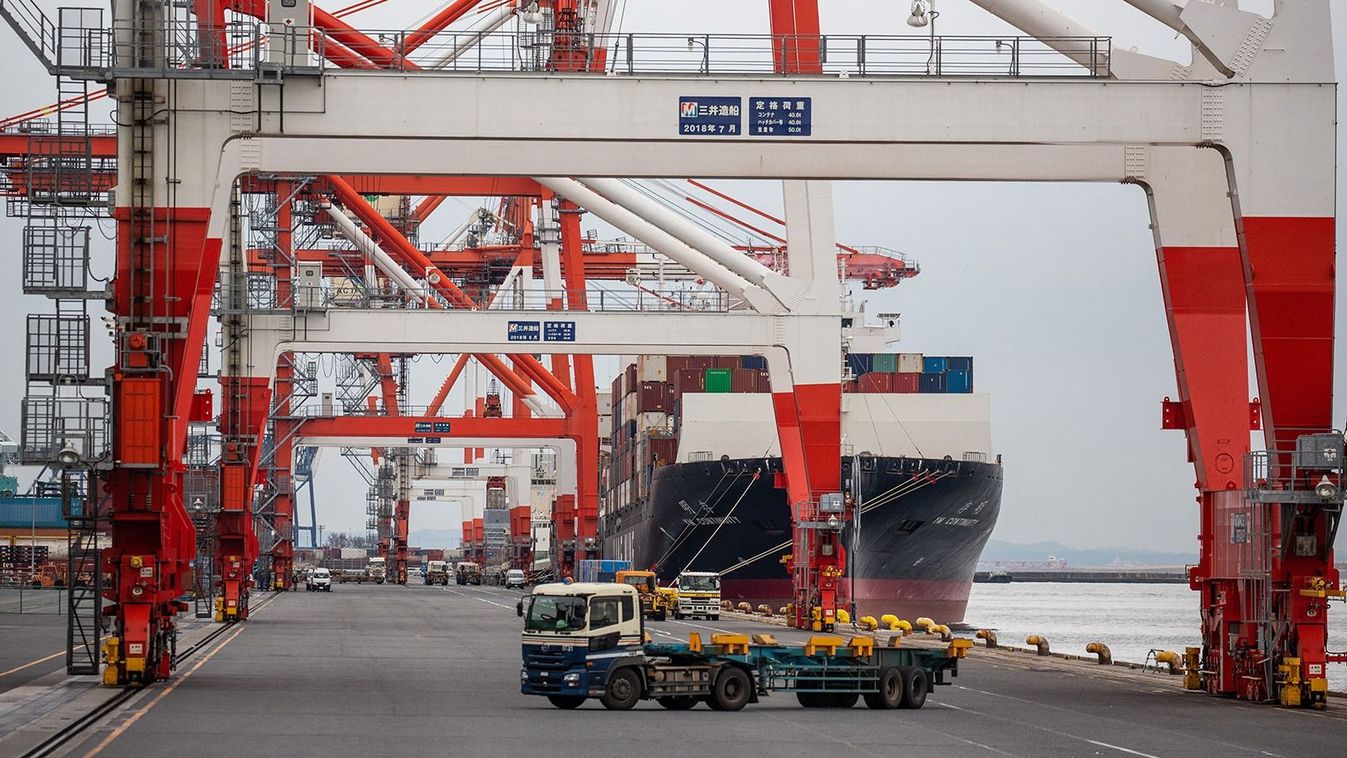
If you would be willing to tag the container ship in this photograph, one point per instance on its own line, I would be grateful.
(692, 478)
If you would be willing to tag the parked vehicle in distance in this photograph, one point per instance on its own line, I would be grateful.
(377, 569)
(514, 578)
(437, 572)
(318, 580)
(468, 572)
(698, 595)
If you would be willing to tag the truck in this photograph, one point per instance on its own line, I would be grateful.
(698, 595)
(599, 570)
(318, 580)
(437, 572)
(656, 601)
(588, 640)
(467, 572)
(377, 569)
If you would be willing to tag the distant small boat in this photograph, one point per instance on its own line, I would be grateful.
(992, 577)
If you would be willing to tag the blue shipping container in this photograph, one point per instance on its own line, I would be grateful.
(600, 570)
(932, 383)
(755, 361)
(933, 365)
(31, 512)
(963, 363)
(958, 381)
(860, 363)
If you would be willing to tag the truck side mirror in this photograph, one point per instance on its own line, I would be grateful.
(519, 608)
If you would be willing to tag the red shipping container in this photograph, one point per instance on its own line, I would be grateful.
(690, 380)
(629, 384)
(907, 382)
(850, 387)
(743, 380)
(617, 395)
(876, 381)
(664, 450)
(764, 380)
(728, 361)
(654, 397)
(676, 363)
(701, 362)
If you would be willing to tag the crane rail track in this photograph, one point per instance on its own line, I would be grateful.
(96, 714)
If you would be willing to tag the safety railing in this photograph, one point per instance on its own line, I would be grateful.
(180, 48)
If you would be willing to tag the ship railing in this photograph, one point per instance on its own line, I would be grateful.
(79, 45)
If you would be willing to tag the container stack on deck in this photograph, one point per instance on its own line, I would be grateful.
(909, 373)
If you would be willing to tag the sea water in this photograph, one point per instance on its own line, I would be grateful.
(1132, 619)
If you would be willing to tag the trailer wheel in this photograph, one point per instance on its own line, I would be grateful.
(678, 616)
(843, 699)
(623, 690)
(812, 699)
(565, 702)
(916, 686)
(731, 691)
(677, 702)
(890, 694)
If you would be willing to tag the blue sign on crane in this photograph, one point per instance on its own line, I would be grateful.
(710, 116)
(780, 116)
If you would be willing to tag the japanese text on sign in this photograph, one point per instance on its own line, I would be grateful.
(780, 116)
(710, 116)
(558, 331)
(523, 331)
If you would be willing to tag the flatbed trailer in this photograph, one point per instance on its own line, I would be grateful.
(568, 659)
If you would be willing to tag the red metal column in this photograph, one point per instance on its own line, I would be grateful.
(583, 421)
(1203, 290)
(795, 27)
(246, 402)
(1291, 290)
(165, 276)
(283, 429)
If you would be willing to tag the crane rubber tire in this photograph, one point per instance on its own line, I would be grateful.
(731, 691)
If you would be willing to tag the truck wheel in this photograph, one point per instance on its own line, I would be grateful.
(716, 617)
(623, 690)
(916, 686)
(565, 702)
(843, 699)
(662, 616)
(812, 699)
(677, 702)
(890, 693)
(731, 691)
(678, 616)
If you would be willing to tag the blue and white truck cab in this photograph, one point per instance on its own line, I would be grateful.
(574, 634)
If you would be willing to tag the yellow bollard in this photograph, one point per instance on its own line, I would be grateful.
(988, 636)
(903, 626)
(868, 623)
(1039, 642)
(1101, 650)
(764, 610)
(925, 624)
(1192, 668)
(943, 630)
(889, 621)
(1171, 659)
(744, 608)
(843, 617)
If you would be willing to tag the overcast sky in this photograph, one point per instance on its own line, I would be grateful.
(1053, 289)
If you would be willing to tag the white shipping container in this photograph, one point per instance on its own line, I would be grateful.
(604, 401)
(347, 553)
(909, 363)
(651, 420)
(652, 368)
(629, 405)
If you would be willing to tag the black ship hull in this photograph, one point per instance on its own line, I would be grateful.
(923, 525)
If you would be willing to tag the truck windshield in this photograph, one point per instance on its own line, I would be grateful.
(699, 583)
(551, 613)
(646, 583)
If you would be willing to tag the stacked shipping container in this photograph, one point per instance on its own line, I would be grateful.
(909, 373)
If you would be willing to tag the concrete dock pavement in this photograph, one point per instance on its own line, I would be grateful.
(386, 670)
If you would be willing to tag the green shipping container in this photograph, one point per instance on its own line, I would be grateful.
(719, 380)
(885, 363)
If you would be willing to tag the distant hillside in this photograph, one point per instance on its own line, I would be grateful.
(436, 538)
(1102, 557)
